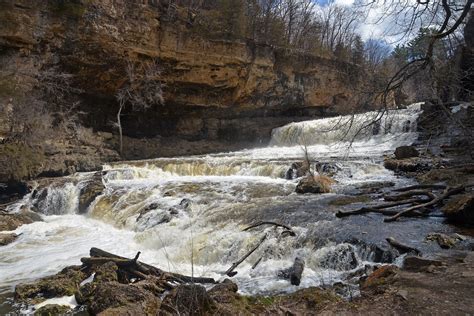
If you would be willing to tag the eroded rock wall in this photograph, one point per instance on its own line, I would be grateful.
(213, 89)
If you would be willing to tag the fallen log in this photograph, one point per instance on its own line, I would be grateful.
(446, 193)
(366, 210)
(404, 195)
(403, 248)
(288, 230)
(293, 273)
(229, 271)
(148, 269)
(421, 186)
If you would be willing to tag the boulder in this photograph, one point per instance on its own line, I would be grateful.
(404, 152)
(314, 184)
(113, 298)
(53, 310)
(65, 283)
(460, 209)
(12, 190)
(6, 239)
(187, 299)
(297, 170)
(379, 278)
(106, 273)
(406, 165)
(443, 240)
(417, 264)
(225, 292)
(11, 221)
(88, 193)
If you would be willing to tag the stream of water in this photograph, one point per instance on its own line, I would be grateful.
(186, 214)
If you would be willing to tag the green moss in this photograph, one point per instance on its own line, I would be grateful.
(345, 200)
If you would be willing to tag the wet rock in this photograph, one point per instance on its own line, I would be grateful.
(6, 239)
(113, 298)
(11, 221)
(443, 240)
(342, 258)
(53, 310)
(88, 193)
(225, 292)
(460, 209)
(406, 165)
(297, 170)
(188, 299)
(416, 264)
(106, 273)
(314, 184)
(379, 278)
(404, 152)
(12, 190)
(65, 283)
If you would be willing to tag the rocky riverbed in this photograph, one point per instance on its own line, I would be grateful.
(189, 215)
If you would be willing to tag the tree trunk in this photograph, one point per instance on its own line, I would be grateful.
(119, 125)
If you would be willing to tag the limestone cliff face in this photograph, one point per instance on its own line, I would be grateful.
(214, 89)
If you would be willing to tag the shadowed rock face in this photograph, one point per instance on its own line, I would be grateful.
(217, 90)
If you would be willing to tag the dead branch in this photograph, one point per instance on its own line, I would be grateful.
(407, 194)
(421, 186)
(403, 248)
(236, 264)
(447, 192)
(366, 210)
(288, 230)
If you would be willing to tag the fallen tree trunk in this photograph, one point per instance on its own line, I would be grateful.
(446, 193)
(421, 186)
(366, 210)
(404, 195)
(229, 271)
(143, 268)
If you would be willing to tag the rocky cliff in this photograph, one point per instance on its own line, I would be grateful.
(213, 89)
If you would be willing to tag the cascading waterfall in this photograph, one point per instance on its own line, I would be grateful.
(172, 209)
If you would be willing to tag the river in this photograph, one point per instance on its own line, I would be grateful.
(186, 214)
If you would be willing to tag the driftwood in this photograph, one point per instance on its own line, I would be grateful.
(421, 186)
(407, 194)
(288, 230)
(366, 210)
(139, 269)
(411, 196)
(403, 248)
(446, 193)
(230, 272)
(294, 272)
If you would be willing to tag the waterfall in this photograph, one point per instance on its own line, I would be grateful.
(169, 208)
(347, 128)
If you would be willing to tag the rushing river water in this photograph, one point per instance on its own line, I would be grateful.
(186, 214)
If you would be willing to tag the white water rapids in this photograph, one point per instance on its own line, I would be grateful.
(186, 214)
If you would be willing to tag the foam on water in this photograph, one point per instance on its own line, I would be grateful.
(186, 214)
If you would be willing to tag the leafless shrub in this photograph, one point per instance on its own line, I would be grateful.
(141, 90)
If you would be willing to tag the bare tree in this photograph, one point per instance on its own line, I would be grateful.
(141, 90)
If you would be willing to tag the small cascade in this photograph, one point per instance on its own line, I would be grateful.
(175, 209)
